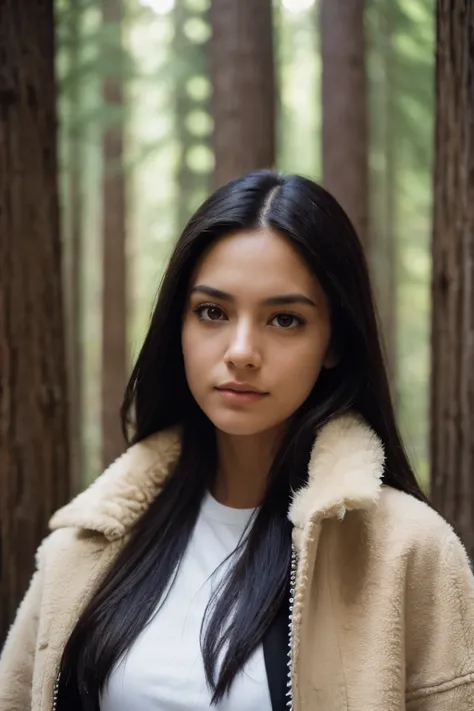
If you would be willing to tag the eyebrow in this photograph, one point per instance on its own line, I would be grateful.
(282, 300)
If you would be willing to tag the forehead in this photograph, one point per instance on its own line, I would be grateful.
(262, 258)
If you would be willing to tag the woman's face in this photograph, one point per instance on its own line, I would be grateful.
(256, 332)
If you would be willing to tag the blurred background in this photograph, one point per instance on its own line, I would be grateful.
(141, 74)
(118, 117)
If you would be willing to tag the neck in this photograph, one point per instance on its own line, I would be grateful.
(243, 464)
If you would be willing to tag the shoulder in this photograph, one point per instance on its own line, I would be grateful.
(413, 526)
(70, 552)
(114, 502)
(417, 550)
(402, 540)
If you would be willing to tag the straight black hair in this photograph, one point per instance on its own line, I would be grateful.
(157, 397)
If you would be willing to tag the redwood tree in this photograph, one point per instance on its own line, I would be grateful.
(243, 81)
(114, 303)
(73, 256)
(345, 108)
(384, 174)
(189, 60)
(452, 383)
(34, 466)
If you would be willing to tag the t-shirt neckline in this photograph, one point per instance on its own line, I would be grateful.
(214, 510)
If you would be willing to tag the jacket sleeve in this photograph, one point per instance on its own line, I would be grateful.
(440, 627)
(18, 654)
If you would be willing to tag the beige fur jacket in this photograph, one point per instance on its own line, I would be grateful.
(383, 617)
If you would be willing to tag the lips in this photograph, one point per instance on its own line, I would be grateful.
(240, 393)
(243, 388)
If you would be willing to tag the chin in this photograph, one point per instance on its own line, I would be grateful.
(240, 426)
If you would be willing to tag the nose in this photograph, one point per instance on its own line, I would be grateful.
(243, 350)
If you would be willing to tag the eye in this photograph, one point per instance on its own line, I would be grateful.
(209, 312)
(287, 321)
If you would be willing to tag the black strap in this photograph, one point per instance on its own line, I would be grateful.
(275, 652)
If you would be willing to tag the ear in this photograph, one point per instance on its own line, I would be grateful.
(333, 357)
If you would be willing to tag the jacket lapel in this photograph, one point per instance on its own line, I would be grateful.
(344, 473)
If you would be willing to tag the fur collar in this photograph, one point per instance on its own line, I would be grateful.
(345, 472)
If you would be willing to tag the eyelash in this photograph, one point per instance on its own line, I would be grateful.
(198, 310)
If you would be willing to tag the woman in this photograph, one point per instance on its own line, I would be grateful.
(263, 543)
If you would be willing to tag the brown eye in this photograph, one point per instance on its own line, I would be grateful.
(287, 321)
(210, 313)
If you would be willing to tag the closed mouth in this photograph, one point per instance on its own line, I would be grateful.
(240, 389)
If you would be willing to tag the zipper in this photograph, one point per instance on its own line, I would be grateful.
(56, 692)
(289, 683)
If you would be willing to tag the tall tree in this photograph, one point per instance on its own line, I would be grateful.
(242, 74)
(114, 305)
(383, 190)
(73, 262)
(34, 461)
(191, 113)
(452, 383)
(345, 108)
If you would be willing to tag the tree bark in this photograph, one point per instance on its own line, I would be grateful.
(34, 462)
(345, 109)
(74, 261)
(189, 59)
(242, 75)
(114, 313)
(383, 190)
(452, 383)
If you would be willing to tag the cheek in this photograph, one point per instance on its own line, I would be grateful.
(299, 369)
(199, 355)
(191, 352)
(305, 359)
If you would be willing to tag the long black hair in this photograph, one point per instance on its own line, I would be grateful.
(157, 397)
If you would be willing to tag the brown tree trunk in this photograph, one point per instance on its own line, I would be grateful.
(383, 191)
(189, 59)
(114, 312)
(242, 75)
(74, 261)
(34, 462)
(345, 109)
(452, 383)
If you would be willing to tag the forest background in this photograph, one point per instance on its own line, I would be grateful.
(153, 103)
(167, 161)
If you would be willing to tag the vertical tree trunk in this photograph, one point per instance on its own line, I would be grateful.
(383, 191)
(34, 474)
(390, 272)
(345, 109)
(242, 74)
(114, 313)
(189, 60)
(74, 262)
(452, 384)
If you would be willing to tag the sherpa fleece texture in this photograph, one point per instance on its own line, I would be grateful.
(383, 616)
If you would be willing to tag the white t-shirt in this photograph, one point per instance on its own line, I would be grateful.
(163, 670)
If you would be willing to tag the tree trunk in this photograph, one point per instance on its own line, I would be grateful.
(74, 261)
(34, 474)
(189, 61)
(114, 313)
(452, 383)
(383, 191)
(345, 109)
(242, 75)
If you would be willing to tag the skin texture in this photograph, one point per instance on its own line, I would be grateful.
(279, 349)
